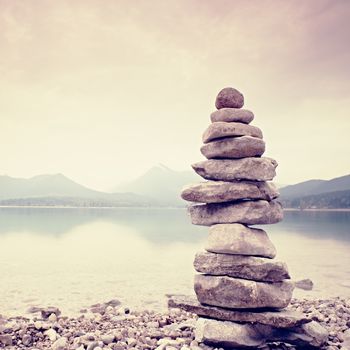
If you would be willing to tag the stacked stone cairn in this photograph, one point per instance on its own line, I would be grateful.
(241, 291)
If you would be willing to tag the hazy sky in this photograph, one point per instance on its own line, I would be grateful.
(103, 90)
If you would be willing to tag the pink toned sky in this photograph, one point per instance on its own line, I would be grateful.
(103, 90)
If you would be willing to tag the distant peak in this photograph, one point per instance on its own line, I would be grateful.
(59, 175)
(164, 167)
(159, 169)
(45, 176)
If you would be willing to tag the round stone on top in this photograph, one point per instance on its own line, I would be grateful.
(229, 98)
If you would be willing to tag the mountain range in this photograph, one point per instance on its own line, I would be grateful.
(162, 184)
(160, 187)
(318, 194)
(58, 190)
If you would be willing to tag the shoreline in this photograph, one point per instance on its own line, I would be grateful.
(74, 207)
(146, 208)
(320, 209)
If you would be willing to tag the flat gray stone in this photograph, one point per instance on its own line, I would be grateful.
(346, 342)
(220, 191)
(255, 169)
(258, 212)
(250, 336)
(219, 130)
(238, 239)
(232, 115)
(280, 318)
(234, 147)
(228, 334)
(229, 97)
(313, 333)
(247, 267)
(305, 284)
(236, 293)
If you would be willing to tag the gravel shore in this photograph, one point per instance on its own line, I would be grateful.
(113, 326)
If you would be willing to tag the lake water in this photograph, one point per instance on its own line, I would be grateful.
(72, 258)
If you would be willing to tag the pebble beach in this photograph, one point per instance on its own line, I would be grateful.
(112, 325)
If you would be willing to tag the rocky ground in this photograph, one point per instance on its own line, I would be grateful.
(333, 314)
(113, 326)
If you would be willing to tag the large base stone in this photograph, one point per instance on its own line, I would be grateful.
(219, 130)
(236, 293)
(247, 212)
(279, 318)
(238, 266)
(238, 239)
(234, 147)
(254, 169)
(235, 335)
(220, 191)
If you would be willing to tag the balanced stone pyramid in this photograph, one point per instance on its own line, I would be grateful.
(242, 292)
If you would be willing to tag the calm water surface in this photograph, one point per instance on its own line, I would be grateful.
(72, 258)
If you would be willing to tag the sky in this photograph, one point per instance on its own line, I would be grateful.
(101, 91)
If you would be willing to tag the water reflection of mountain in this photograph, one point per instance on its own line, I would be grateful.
(162, 225)
(316, 224)
(156, 225)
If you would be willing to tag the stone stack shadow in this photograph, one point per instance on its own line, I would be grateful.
(242, 291)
